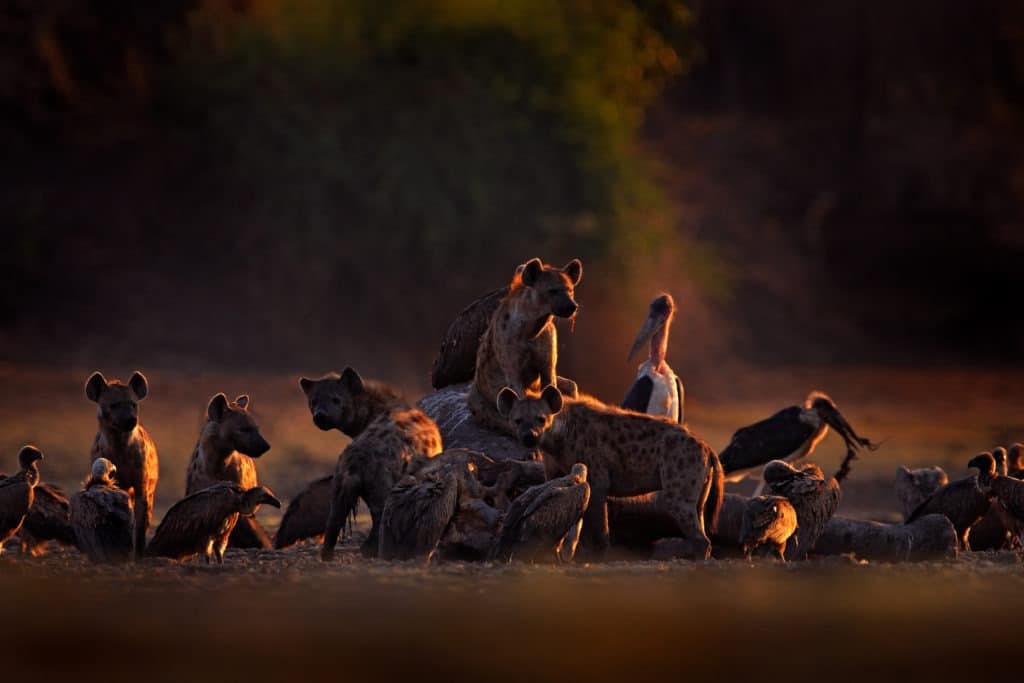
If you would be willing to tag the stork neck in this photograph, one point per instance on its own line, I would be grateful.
(659, 348)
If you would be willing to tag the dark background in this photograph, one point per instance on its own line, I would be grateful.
(275, 185)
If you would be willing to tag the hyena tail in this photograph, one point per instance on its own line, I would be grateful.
(716, 494)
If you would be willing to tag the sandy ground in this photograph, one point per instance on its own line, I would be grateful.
(285, 614)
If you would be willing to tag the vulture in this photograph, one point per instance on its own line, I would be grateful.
(788, 435)
(657, 389)
(768, 523)
(1007, 493)
(203, 521)
(306, 516)
(538, 523)
(17, 493)
(421, 507)
(962, 501)
(814, 498)
(914, 486)
(1015, 461)
(103, 516)
(989, 533)
(47, 520)
(456, 360)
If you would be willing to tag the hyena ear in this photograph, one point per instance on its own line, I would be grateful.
(95, 386)
(553, 397)
(351, 380)
(138, 385)
(506, 399)
(243, 401)
(307, 385)
(531, 271)
(218, 406)
(574, 271)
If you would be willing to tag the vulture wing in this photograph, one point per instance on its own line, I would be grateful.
(767, 440)
(306, 515)
(191, 521)
(456, 360)
(102, 520)
(49, 518)
(415, 517)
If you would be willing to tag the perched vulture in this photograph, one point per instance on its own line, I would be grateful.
(47, 520)
(306, 516)
(420, 508)
(914, 486)
(1015, 461)
(203, 521)
(989, 533)
(102, 516)
(456, 360)
(416, 515)
(814, 498)
(657, 389)
(789, 435)
(1007, 494)
(962, 501)
(768, 523)
(538, 523)
(17, 493)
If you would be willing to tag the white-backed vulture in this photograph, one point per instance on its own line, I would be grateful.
(306, 516)
(537, 523)
(768, 523)
(203, 521)
(814, 498)
(1007, 493)
(102, 516)
(962, 501)
(456, 359)
(17, 493)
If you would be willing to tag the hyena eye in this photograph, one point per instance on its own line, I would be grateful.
(335, 400)
(554, 292)
(519, 420)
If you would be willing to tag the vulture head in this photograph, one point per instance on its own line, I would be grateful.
(255, 497)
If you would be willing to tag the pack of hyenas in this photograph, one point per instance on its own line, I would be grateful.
(601, 476)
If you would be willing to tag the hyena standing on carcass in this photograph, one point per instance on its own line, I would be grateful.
(520, 347)
(386, 434)
(626, 454)
(123, 441)
(228, 442)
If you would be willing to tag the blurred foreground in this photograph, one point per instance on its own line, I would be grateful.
(286, 615)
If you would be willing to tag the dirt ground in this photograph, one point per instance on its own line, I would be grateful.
(285, 614)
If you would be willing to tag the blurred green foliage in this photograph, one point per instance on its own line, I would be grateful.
(452, 135)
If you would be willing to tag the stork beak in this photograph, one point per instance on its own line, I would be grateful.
(654, 322)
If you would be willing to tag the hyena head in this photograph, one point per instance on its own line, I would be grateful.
(118, 403)
(530, 416)
(552, 288)
(235, 426)
(334, 400)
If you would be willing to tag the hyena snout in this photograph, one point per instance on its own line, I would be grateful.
(529, 437)
(321, 420)
(254, 446)
(124, 420)
(563, 306)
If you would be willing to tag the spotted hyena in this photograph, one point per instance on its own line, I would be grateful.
(519, 348)
(626, 454)
(124, 442)
(387, 433)
(228, 442)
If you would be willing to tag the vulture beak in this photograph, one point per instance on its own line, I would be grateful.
(271, 500)
(654, 322)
